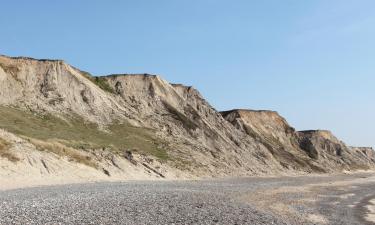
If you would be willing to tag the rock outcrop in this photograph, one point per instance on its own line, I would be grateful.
(145, 117)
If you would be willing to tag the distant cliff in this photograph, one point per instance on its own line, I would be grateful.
(318, 150)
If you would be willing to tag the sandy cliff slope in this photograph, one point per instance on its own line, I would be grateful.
(318, 150)
(136, 126)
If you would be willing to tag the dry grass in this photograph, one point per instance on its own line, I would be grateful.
(78, 134)
(64, 151)
(5, 152)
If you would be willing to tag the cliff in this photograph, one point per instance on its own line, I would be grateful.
(51, 112)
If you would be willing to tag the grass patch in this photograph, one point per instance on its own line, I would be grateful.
(99, 81)
(103, 84)
(64, 151)
(5, 153)
(76, 133)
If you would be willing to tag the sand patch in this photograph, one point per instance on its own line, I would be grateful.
(317, 219)
(346, 196)
(370, 216)
(285, 201)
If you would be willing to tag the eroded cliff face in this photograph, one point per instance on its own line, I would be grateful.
(323, 146)
(161, 128)
(196, 132)
(54, 86)
(318, 150)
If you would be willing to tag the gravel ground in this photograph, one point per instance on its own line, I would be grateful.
(227, 201)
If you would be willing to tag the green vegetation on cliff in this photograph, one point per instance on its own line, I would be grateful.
(74, 132)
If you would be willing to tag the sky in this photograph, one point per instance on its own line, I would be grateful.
(312, 60)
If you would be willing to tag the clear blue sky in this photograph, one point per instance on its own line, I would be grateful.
(312, 60)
